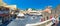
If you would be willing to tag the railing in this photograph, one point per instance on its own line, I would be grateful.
(45, 23)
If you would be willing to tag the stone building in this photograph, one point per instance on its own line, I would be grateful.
(3, 19)
(2, 3)
(56, 12)
(46, 13)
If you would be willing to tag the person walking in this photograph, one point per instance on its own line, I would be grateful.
(53, 21)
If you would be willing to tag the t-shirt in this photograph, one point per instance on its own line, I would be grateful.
(53, 20)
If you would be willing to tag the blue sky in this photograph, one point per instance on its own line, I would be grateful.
(39, 4)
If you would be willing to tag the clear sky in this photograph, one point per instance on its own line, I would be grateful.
(39, 4)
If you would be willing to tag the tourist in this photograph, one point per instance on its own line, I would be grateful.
(53, 21)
